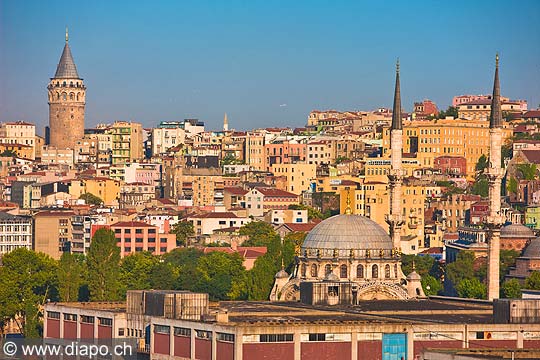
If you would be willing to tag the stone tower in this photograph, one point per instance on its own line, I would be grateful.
(395, 218)
(67, 99)
(225, 123)
(495, 173)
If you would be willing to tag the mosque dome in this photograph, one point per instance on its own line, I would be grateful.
(346, 232)
(281, 274)
(516, 231)
(533, 249)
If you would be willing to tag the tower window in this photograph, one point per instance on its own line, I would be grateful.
(314, 270)
(387, 271)
(327, 269)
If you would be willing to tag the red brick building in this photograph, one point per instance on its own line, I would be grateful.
(451, 165)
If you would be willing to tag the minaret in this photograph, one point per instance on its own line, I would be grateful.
(67, 99)
(395, 218)
(225, 123)
(495, 218)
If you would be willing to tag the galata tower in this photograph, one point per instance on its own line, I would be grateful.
(67, 99)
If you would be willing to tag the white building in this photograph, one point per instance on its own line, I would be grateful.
(19, 132)
(206, 224)
(15, 232)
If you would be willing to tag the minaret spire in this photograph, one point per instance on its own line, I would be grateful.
(225, 123)
(395, 218)
(495, 118)
(494, 174)
(67, 34)
(396, 110)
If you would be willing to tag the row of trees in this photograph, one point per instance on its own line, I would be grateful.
(29, 279)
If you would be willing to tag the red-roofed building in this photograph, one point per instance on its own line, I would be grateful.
(479, 212)
(233, 197)
(451, 165)
(261, 199)
(137, 236)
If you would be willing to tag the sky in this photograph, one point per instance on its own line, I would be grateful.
(264, 63)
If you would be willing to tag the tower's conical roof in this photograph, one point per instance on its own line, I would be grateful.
(396, 111)
(66, 68)
(495, 118)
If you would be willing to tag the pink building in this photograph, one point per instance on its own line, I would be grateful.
(136, 236)
(284, 152)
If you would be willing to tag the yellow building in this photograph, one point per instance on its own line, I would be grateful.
(378, 169)
(254, 155)
(299, 176)
(204, 186)
(445, 137)
(372, 199)
(52, 232)
(127, 142)
(22, 151)
(106, 189)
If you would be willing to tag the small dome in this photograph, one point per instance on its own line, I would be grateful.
(414, 276)
(346, 232)
(516, 231)
(281, 274)
(533, 249)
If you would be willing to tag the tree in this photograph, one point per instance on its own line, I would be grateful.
(27, 281)
(104, 267)
(183, 230)
(8, 153)
(533, 281)
(163, 276)
(184, 260)
(221, 275)
(471, 288)
(451, 111)
(507, 260)
(527, 171)
(423, 264)
(512, 186)
(481, 186)
(511, 289)
(71, 271)
(460, 269)
(482, 163)
(91, 199)
(431, 285)
(136, 269)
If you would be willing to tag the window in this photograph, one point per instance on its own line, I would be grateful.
(121, 332)
(225, 337)
(360, 271)
(161, 329)
(70, 317)
(202, 334)
(104, 321)
(387, 271)
(138, 231)
(276, 338)
(317, 337)
(327, 269)
(87, 319)
(314, 270)
(53, 315)
(375, 272)
(303, 270)
(343, 271)
(178, 331)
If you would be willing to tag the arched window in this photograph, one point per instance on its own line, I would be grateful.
(78, 96)
(64, 84)
(360, 271)
(64, 96)
(71, 96)
(314, 270)
(327, 269)
(343, 271)
(304, 269)
(375, 272)
(395, 271)
(387, 271)
(57, 96)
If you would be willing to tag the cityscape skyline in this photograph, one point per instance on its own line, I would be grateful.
(319, 68)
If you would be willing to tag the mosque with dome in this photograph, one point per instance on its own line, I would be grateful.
(348, 258)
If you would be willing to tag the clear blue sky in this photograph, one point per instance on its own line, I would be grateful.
(265, 63)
